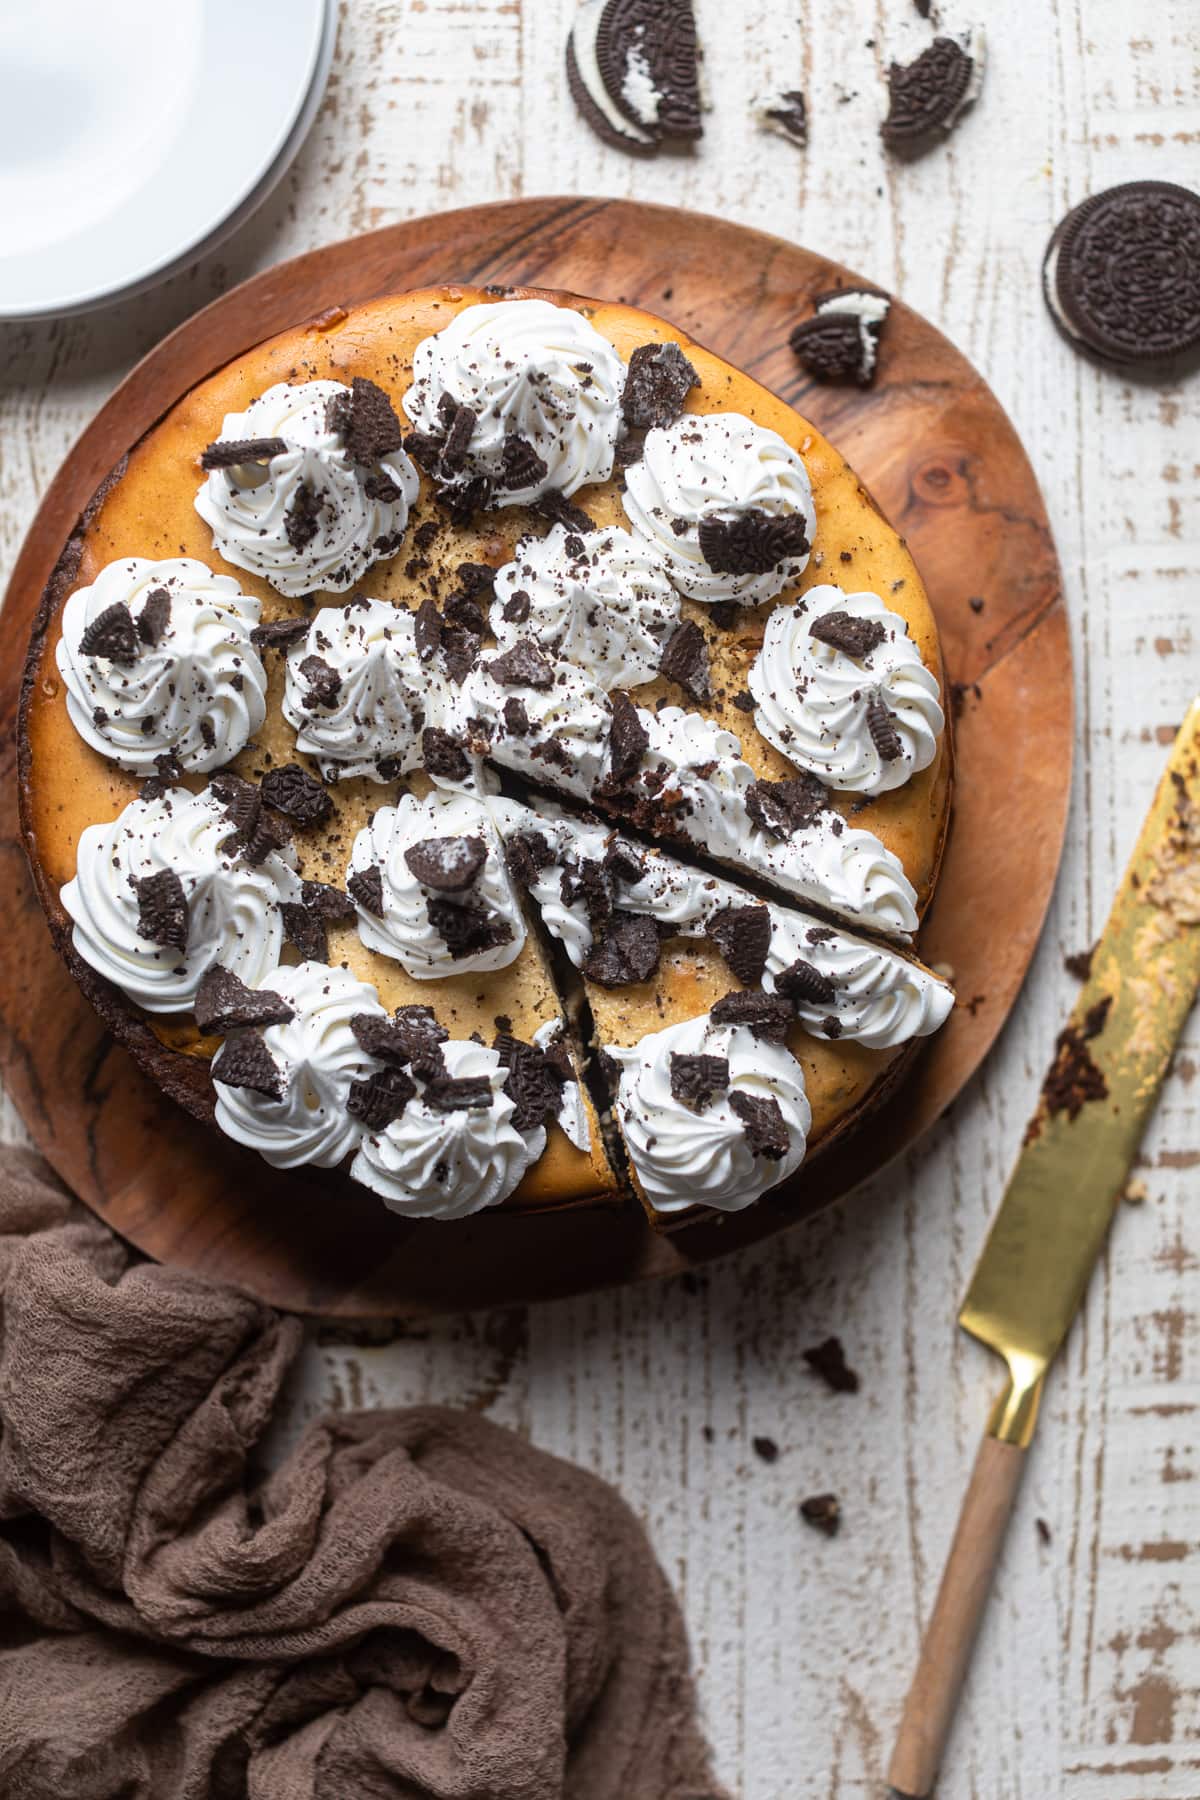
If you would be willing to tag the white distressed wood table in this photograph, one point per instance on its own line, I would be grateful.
(1087, 1681)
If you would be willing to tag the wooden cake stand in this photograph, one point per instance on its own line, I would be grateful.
(943, 461)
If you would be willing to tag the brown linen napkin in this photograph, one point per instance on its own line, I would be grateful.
(416, 1604)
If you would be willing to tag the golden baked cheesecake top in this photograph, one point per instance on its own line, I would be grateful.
(341, 624)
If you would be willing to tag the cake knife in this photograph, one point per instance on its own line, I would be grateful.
(1109, 1063)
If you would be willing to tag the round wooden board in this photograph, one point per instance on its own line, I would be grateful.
(934, 446)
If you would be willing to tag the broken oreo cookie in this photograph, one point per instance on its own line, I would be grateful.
(632, 67)
(752, 542)
(928, 97)
(657, 385)
(841, 340)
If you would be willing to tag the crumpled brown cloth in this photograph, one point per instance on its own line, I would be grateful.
(415, 1604)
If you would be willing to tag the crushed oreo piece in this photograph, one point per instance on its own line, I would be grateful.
(555, 506)
(381, 1098)
(763, 1123)
(743, 936)
(329, 902)
(460, 652)
(301, 522)
(235, 453)
(290, 789)
(881, 723)
(224, 1003)
(782, 808)
(805, 985)
(112, 634)
(427, 629)
(659, 380)
(1074, 1077)
(304, 927)
(245, 1062)
(697, 1080)
(458, 422)
(467, 927)
(753, 542)
(854, 637)
(534, 1084)
(447, 864)
(828, 1360)
(418, 1032)
(443, 757)
(324, 682)
(927, 97)
(520, 465)
(516, 717)
(365, 886)
(628, 739)
(155, 616)
(768, 1016)
(785, 113)
(168, 772)
(517, 608)
(685, 659)
(823, 1512)
(279, 634)
(365, 420)
(628, 952)
(462, 1093)
(162, 909)
(463, 502)
(525, 665)
(527, 853)
(476, 580)
(257, 832)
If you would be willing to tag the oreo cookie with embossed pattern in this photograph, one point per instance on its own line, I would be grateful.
(927, 97)
(632, 70)
(1122, 273)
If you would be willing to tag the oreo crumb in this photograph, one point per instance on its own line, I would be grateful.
(365, 886)
(763, 1123)
(245, 1062)
(685, 659)
(657, 385)
(697, 1080)
(743, 936)
(162, 910)
(828, 1360)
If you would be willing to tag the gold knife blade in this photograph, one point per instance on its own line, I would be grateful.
(1097, 1097)
(1109, 1064)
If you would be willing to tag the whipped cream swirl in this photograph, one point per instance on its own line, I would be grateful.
(685, 1157)
(186, 681)
(716, 466)
(602, 602)
(485, 908)
(530, 370)
(356, 692)
(444, 1163)
(560, 735)
(310, 518)
(232, 909)
(318, 1057)
(863, 722)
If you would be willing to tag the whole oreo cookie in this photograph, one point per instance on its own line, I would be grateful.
(632, 70)
(1122, 273)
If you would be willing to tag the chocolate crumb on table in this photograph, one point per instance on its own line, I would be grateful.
(823, 1512)
(766, 1449)
(1079, 963)
(828, 1360)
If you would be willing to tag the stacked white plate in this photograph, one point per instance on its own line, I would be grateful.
(136, 134)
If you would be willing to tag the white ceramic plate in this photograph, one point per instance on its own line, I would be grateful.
(134, 134)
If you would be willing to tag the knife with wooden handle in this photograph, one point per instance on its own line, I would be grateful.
(1109, 1063)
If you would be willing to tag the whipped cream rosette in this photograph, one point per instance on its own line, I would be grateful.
(445, 900)
(285, 1090)
(163, 893)
(726, 503)
(521, 394)
(454, 1149)
(601, 602)
(721, 1147)
(356, 693)
(316, 497)
(157, 660)
(841, 690)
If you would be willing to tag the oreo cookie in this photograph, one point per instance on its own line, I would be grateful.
(1121, 273)
(927, 97)
(632, 67)
(841, 341)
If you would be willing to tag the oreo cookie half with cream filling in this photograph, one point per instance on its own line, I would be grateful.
(288, 794)
(928, 97)
(841, 340)
(632, 70)
(1122, 273)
